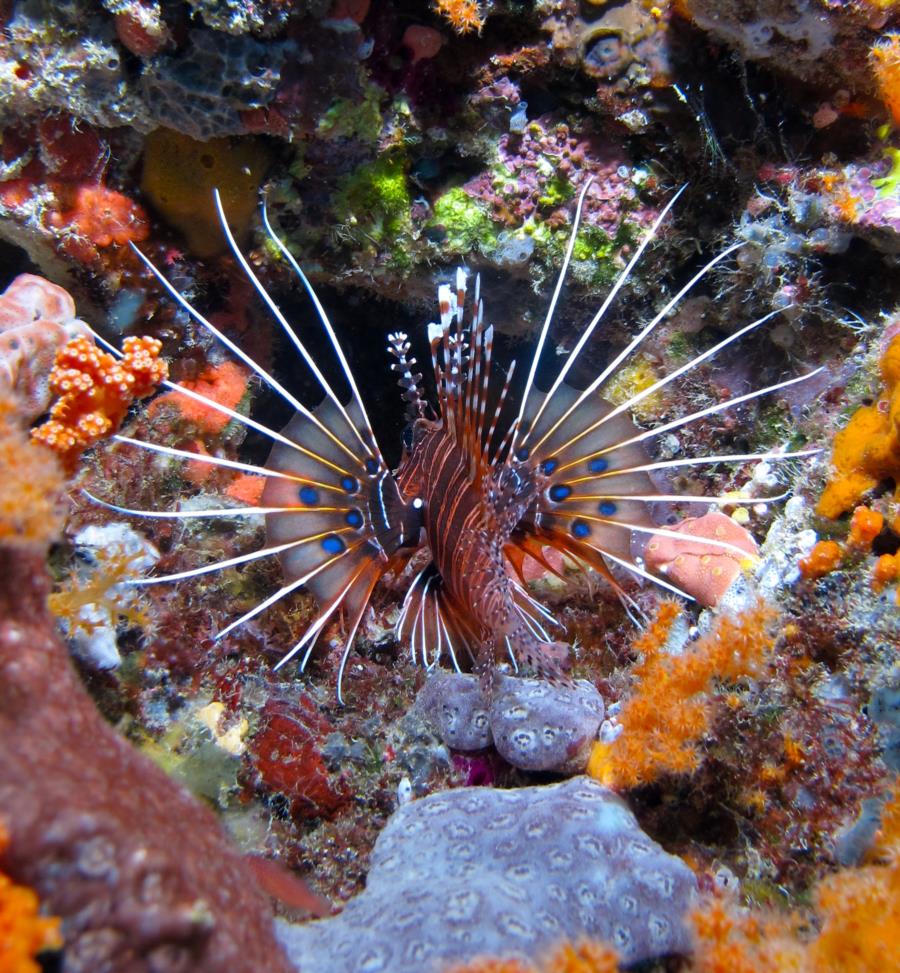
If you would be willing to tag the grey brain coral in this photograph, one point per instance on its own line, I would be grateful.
(507, 873)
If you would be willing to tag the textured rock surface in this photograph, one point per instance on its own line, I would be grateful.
(506, 873)
(140, 873)
(454, 705)
(533, 724)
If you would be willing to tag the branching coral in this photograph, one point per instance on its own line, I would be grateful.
(95, 392)
(24, 933)
(31, 484)
(671, 707)
(867, 450)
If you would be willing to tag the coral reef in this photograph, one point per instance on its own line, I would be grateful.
(507, 873)
(755, 741)
(138, 872)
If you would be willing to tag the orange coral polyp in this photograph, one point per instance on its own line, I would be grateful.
(463, 15)
(96, 391)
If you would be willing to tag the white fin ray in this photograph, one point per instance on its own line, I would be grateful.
(288, 588)
(326, 324)
(638, 397)
(694, 416)
(595, 321)
(623, 355)
(669, 464)
(230, 464)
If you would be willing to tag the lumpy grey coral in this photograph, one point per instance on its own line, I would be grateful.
(506, 873)
(203, 89)
(533, 724)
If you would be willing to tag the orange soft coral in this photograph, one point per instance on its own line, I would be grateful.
(95, 392)
(860, 908)
(31, 484)
(23, 931)
(867, 450)
(732, 940)
(463, 15)
(859, 919)
(885, 60)
(671, 707)
(584, 956)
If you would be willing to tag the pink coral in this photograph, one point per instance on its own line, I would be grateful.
(36, 319)
(703, 571)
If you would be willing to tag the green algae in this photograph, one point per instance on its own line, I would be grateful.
(466, 222)
(373, 201)
(358, 118)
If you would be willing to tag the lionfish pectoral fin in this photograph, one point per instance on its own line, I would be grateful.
(595, 494)
(348, 522)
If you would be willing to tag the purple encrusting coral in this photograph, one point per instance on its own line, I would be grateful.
(504, 873)
(540, 168)
(533, 725)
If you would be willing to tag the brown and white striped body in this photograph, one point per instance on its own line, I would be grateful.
(479, 489)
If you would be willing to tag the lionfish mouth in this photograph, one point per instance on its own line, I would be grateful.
(567, 471)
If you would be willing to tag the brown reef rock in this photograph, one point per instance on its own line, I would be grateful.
(141, 874)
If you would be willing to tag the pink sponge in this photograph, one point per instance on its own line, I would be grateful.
(702, 570)
(36, 319)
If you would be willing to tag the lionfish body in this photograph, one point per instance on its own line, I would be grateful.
(476, 492)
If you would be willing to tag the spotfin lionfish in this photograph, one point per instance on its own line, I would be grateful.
(567, 471)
